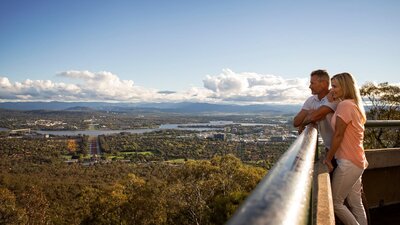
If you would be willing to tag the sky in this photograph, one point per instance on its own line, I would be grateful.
(242, 52)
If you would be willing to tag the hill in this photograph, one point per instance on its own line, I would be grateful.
(181, 107)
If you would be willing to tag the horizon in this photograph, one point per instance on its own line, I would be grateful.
(196, 108)
(225, 52)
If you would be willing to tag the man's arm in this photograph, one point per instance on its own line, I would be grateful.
(316, 115)
(299, 118)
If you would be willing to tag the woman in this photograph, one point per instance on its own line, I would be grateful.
(347, 147)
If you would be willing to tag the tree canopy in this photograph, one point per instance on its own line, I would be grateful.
(382, 103)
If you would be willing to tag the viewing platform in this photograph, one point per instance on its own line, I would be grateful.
(297, 190)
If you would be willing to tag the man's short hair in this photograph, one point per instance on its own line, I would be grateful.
(321, 74)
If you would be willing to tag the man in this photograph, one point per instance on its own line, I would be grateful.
(317, 108)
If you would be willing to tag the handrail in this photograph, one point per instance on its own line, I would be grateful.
(382, 123)
(283, 196)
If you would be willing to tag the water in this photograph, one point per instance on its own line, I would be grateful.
(133, 131)
(92, 132)
(212, 125)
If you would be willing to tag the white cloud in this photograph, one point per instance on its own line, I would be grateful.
(229, 87)
(227, 82)
(4, 82)
(86, 75)
(253, 87)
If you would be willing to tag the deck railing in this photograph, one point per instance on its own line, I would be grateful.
(382, 123)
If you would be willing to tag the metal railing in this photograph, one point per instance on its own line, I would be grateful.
(382, 123)
(283, 196)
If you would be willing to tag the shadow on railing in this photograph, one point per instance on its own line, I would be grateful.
(297, 190)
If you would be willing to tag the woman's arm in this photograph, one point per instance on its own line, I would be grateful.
(340, 128)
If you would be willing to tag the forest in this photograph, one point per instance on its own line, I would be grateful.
(38, 187)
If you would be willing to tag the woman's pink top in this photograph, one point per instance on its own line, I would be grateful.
(351, 147)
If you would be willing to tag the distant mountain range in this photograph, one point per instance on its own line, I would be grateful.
(182, 107)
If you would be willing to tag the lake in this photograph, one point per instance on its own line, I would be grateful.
(133, 131)
(212, 125)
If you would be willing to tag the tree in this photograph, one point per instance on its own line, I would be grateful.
(383, 103)
(36, 205)
(84, 145)
(9, 212)
(72, 146)
(145, 201)
(103, 207)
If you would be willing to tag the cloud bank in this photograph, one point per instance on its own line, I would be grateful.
(253, 87)
(227, 87)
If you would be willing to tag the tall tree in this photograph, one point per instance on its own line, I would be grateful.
(383, 103)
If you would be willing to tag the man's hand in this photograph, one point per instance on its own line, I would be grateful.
(307, 119)
(298, 119)
(300, 129)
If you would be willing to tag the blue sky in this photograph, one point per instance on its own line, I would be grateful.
(229, 51)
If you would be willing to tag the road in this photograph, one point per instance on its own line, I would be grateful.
(94, 146)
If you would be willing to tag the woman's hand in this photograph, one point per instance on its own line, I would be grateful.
(330, 96)
(328, 163)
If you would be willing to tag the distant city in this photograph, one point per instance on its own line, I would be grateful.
(249, 125)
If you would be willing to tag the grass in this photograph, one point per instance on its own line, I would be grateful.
(67, 157)
(133, 153)
(176, 161)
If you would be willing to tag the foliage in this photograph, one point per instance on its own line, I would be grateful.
(37, 187)
(10, 213)
(383, 101)
(72, 146)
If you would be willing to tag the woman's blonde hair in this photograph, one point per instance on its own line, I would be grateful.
(350, 90)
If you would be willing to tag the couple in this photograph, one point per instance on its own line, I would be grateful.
(340, 117)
